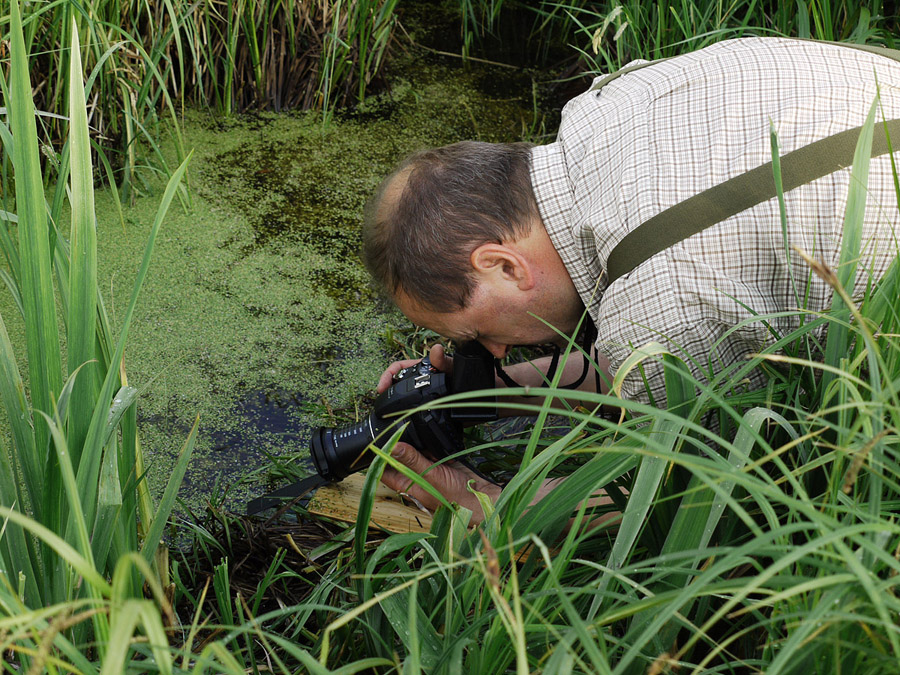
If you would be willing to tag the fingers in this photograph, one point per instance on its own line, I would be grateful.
(439, 360)
(412, 458)
(450, 480)
(388, 375)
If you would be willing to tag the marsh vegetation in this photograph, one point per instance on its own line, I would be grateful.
(221, 280)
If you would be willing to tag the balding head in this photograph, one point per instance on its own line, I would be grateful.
(386, 199)
(437, 207)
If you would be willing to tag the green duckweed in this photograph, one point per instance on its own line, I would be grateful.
(258, 314)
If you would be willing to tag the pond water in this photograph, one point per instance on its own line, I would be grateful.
(258, 315)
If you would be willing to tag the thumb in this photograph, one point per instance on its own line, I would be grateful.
(439, 358)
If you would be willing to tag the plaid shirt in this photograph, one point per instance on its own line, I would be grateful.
(654, 137)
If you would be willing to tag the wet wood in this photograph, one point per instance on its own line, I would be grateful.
(390, 511)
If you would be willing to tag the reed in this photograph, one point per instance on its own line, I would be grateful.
(608, 35)
(148, 59)
(124, 51)
(80, 540)
(354, 46)
(613, 35)
(71, 478)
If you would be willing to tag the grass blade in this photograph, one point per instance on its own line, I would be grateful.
(42, 337)
(83, 267)
(155, 530)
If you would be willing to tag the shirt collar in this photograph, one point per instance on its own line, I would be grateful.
(555, 200)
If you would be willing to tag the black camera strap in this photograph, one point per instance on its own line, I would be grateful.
(286, 495)
(587, 343)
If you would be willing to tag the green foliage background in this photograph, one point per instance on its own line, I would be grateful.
(769, 545)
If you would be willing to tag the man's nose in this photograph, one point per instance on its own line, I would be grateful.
(498, 350)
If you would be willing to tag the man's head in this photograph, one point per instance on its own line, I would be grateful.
(439, 206)
(455, 237)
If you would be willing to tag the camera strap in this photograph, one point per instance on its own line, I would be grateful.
(587, 344)
(286, 495)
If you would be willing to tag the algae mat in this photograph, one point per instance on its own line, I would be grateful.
(258, 314)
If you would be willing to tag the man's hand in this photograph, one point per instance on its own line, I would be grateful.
(450, 479)
(439, 360)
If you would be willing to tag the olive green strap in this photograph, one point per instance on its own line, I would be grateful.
(740, 193)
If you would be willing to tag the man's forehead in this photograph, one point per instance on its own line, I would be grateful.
(448, 324)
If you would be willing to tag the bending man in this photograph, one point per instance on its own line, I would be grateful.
(476, 240)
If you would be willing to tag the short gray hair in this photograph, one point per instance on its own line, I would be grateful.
(455, 199)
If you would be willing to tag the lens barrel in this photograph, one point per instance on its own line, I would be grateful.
(339, 451)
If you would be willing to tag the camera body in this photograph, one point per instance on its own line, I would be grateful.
(339, 451)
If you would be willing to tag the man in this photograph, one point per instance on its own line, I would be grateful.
(508, 245)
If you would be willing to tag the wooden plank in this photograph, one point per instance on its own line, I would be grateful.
(389, 512)
(340, 501)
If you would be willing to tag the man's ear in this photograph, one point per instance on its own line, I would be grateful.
(502, 263)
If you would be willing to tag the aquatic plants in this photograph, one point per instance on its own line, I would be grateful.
(770, 544)
(147, 60)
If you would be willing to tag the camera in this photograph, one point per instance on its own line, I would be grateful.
(339, 451)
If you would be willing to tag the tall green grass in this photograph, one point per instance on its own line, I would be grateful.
(282, 54)
(147, 60)
(354, 50)
(73, 499)
(84, 578)
(611, 35)
(130, 80)
(608, 35)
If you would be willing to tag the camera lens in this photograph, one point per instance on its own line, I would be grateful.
(339, 451)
